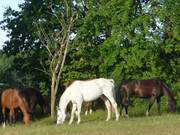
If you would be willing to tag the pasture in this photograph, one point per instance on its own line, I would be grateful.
(165, 124)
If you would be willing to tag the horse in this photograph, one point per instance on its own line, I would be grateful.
(86, 91)
(152, 89)
(34, 98)
(13, 99)
(88, 107)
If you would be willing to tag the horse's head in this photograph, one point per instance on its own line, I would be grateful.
(60, 116)
(26, 119)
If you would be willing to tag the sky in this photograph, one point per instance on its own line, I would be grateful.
(3, 5)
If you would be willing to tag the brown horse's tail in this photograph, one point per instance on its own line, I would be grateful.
(168, 93)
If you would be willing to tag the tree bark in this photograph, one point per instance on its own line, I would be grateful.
(53, 97)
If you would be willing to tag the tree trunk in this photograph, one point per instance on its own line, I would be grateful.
(54, 88)
(53, 100)
(53, 97)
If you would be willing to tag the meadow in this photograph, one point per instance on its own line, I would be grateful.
(94, 124)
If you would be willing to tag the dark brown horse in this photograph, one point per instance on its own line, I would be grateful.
(153, 89)
(12, 99)
(34, 98)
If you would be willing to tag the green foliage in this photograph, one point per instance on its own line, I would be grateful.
(5, 63)
(44, 88)
(113, 38)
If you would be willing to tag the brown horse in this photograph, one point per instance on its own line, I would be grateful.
(88, 107)
(34, 98)
(153, 89)
(12, 99)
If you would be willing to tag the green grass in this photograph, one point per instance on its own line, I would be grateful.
(166, 124)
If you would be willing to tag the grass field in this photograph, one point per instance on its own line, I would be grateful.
(165, 124)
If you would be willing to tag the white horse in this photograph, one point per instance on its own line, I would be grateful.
(85, 91)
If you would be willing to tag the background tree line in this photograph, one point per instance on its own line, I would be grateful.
(132, 39)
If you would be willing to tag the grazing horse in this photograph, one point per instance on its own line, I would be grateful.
(86, 91)
(153, 89)
(88, 107)
(12, 99)
(34, 98)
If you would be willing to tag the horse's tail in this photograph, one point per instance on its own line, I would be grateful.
(168, 93)
(119, 91)
(166, 90)
(113, 87)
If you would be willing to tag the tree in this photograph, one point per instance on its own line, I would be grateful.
(129, 39)
(57, 44)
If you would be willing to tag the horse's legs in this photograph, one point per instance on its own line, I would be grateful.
(108, 107)
(121, 109)
(152, 99)
(86, 108)
(113, 102)
(14, 118)
(90, 108)
(72, 113)
(32, 111)
(86, 112)
(79, 112)
(4, 116)
(11, 117)
(126, 110)
(158, 104)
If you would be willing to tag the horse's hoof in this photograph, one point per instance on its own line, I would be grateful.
(147, 114)
(90, 112)
(127, 116)
(3, 125)
(107, 119)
